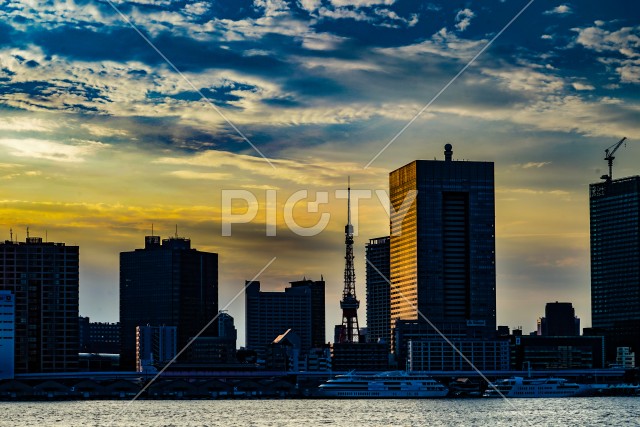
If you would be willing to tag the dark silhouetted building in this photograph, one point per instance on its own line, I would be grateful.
(215, 351)
(559, 320)
(615, 262)
(549, 352)
(439, 355)
(44, 280)
(359, 356)
(155, 347)
(318, 329)
(270, 314)
(442, 247)
(168, 284)
(99, 337)
(378, 302)
(7, 335)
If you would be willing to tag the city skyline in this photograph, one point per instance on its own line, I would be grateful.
(101, 138)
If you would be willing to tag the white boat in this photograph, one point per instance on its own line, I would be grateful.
(536, 387)
(392, 384)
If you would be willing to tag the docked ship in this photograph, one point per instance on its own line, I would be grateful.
(393, 384)
(536, 387)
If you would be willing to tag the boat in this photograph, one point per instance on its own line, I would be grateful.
(536, 387)
(391, 384)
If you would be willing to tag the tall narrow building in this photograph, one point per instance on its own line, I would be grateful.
(378, 298)
(168, 284)
(44, 280)
(615, 262)
(442, 247)
(318, 329)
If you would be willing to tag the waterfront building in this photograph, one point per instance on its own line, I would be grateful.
(44, 280)
(552, 352)
(625, 358)
(378, 302)
(170, 284)
(318, 329)
(559, 320)
(270, 314)
(615, 262)
(99, 337)
(440, 355)
(359, 356)
(442, 246)
(7, 334)
(155, 346)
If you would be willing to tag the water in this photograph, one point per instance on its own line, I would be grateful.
(600, 411)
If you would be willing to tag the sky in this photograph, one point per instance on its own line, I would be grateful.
(119, 115)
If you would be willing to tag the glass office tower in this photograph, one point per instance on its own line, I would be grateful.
(615, 262)
(443, 246)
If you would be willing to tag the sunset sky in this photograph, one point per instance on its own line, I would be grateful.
(102, 135)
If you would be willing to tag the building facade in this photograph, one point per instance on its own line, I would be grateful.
(270, 314)
(99, 337)
(378, 290)
(552, 352)
(559, 320)
(318, 328)
(44, 280)
(155, 346)
(442, 245)
(168, 284)
(7, 334)
(439, 355)
(615, 262)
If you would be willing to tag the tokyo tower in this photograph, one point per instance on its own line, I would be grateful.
(350, 332)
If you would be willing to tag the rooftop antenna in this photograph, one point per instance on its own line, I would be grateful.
(176, 231)
(350, 227)
(11, 234)
(27, 231)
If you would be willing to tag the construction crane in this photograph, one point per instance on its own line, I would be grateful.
(608, 156)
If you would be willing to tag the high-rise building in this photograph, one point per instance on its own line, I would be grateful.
(7, 334)
(559, 320)
(318, 329)
(168, 284)
(442, 246)
(378, 302)
(270, 314)
(44, 280)
(615, 262)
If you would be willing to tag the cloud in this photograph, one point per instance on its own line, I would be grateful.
(562, 9)
(582, 86)
(188, 174)
(622, 44)
(624, 41)
(536, 165)
(28, 124)
(311, 172)
(51, 150)
(463, 19)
